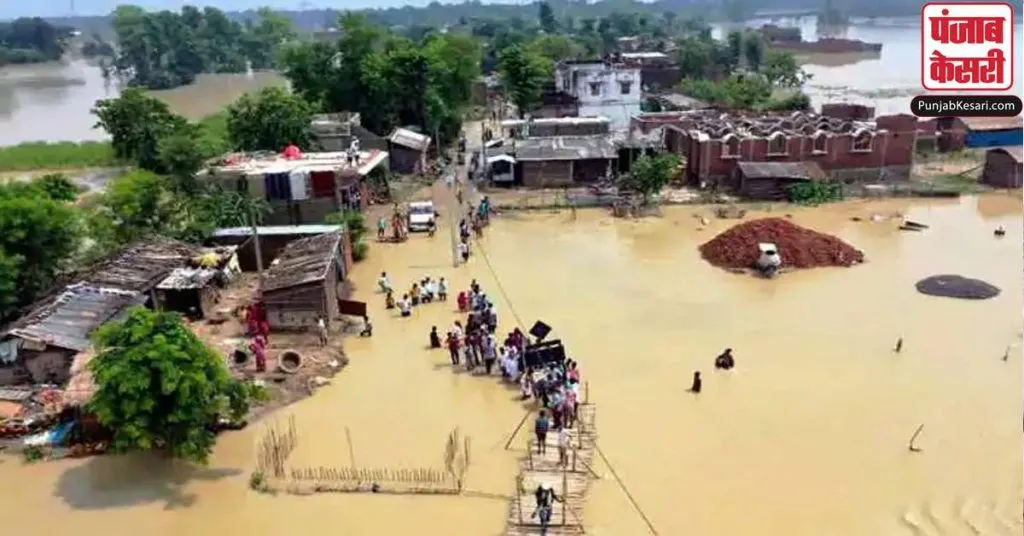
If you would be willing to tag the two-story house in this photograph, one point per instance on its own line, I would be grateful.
(603, 88)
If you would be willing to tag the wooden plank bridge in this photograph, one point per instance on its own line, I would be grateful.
(570, 481)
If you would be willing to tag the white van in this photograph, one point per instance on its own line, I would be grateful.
(421, 215)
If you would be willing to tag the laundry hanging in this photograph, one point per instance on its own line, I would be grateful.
(299, 182)
(256, 185)
(322, 183)
(278, 186)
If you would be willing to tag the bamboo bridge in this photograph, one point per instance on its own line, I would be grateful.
(570, 481)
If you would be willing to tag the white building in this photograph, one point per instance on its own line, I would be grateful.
(603, 89)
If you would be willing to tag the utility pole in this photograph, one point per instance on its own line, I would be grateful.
(259, 252)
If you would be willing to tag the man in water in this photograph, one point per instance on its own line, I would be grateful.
(382, 227)
(540, 429)
(383, 283)
(367, 327)
(725, 361)
(697, 383)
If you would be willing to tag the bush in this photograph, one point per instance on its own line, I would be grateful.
(816, 193)
(62, 155)
(360, 251)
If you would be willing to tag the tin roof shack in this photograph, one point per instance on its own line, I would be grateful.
(556, 126)
(299, 190)
(303, 284)
(772, 180)
(713, 143)
(1003, 167)
(408, 151)
(39, 347)
(990, 131)
(273, 240)
(561, 161)
(190, 291)
(335, 132)
(139, 267)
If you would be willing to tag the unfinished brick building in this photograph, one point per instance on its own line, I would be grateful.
(712, 143)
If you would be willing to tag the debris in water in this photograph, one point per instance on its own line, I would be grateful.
(955, 286)
(798, 247)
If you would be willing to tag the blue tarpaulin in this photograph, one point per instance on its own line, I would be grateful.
(994, 138)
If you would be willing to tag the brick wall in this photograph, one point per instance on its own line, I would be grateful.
(857, 155)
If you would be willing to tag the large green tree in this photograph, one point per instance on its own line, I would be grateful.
(160, 388)
(649, 174)
(31, 40)
(523, 76)
(38, 235)
(136, 122)
(270, 120)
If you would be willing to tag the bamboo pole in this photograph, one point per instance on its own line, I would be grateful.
(518, 427)
(565, 492)
(351, 451)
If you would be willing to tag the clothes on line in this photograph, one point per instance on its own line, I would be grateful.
(322, 183)
(278, 186)
(299, 184)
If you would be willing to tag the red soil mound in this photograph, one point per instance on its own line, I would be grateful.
(798, 247)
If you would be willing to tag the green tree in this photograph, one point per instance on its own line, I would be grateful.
(38, 235)
(649, 174)
(133, 206)
(753, 50)
(354, 223)
(523, 76)
(31, 40)
(181, 156)
(782, 70)
(270, 120)
(556, 48)
(546, 17)
(160, 388)
(136, 122)
(57, 187)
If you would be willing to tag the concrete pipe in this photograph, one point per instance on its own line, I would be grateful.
(289, 361)
(240, 357)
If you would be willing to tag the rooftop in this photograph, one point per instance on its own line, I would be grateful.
(565, 148)
(643, 56)
(187, 278)
(67, 320)
(713, 124)
(279, 230)
(781, 170)
(262, 163)
(141, 266)
(541, 121)
(302, 261)
(1016, 153)
(992, 123)
(409, 139)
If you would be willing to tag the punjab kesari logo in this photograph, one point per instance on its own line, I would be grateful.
(967, 47)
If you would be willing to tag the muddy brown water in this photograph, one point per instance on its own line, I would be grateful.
(807, 436)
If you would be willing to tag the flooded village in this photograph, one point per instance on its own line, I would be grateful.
(516, 335)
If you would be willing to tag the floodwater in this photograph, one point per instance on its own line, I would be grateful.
(52, 101)
(887, 81)
(807, 436)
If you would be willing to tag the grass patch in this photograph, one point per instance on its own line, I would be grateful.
(955, 182)
(62, 155)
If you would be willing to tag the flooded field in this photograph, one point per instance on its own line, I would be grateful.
(807, 436)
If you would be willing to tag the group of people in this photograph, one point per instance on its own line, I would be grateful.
(476, 219)
(424, 291)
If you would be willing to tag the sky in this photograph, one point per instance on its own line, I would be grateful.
(10, 9)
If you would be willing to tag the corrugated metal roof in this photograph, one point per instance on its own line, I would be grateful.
(781, 170)
(302, 261)
(409, 139)
(141, 266)
(278, 230)
(69, 319)
(565, 148)
(187, 278)
(992, 123)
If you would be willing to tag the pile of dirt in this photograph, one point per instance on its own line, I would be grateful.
(955, 286)
(798, 247)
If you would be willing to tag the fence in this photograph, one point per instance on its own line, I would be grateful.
(278, 444)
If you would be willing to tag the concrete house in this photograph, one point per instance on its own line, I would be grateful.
(603, 88)
(564, 160)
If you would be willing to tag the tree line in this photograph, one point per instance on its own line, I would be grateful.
(164, 49)
(32, 40)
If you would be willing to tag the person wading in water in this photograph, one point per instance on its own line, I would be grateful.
(725, 361)
(697, 383)
(435, 339)
(540, 429)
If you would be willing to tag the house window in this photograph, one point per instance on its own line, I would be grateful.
(862, 141)
(730, 146)
(820, 144)
(625, 87)
(777, 144)
(595, 89)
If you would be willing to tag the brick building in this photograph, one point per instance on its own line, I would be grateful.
(712, 143)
